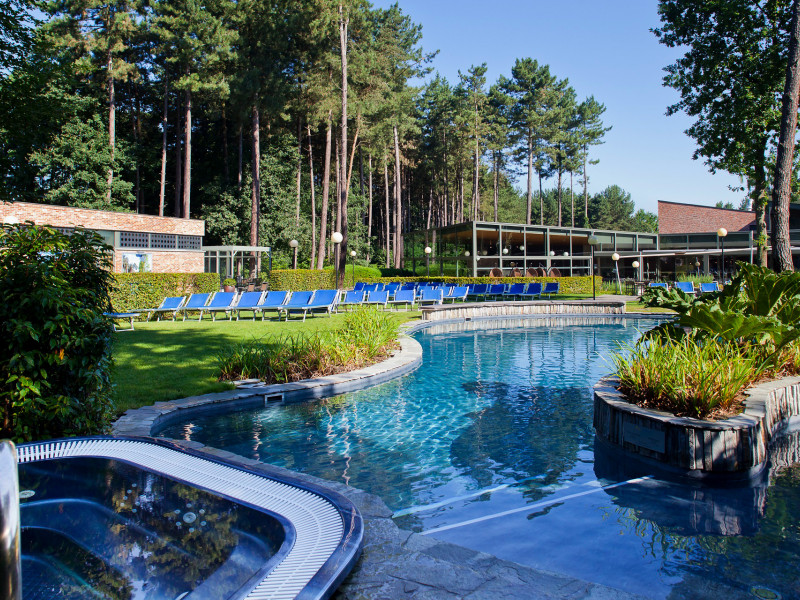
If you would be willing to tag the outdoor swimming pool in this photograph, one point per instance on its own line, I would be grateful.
(490, 445)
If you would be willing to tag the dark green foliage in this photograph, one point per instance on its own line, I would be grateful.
(56, 343)
(133, 291)
(302, 279)
(75, 168)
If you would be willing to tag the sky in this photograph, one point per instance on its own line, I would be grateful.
(605, 49)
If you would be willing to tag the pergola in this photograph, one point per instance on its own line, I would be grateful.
(229, 261)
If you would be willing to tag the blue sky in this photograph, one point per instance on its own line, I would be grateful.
(605, 49)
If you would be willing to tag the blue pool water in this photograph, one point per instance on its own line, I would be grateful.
(98, 528)
(490, 445)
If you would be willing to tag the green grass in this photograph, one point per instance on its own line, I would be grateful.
(167, 360)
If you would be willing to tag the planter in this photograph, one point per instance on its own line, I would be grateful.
(731, 447)
(228, 288)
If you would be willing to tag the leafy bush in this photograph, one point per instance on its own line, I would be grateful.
(132, 291)
(55, 341)
(366, 335)
(301, 279)
(686, 377)
(717, 345)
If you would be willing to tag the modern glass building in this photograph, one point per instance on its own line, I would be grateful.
(476, 248)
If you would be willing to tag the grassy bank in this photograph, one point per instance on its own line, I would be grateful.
(167, 360)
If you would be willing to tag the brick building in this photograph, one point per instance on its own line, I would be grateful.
(677, 217)
(140, 242)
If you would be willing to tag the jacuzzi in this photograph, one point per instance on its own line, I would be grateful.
(142, 519)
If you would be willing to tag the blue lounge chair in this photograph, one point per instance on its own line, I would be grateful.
(354, 298)
(534, 290)
(273, 302)
(169, 305)
(404, 297)
(378, 298)
(359, 286)
(321, 300)
(516, 289)
(392, 288)
(247, 301)
(409, 286)
(195, 302)
(660, 284)
(456, 293)
(222, 301)
(369, 287)
(495, 290)
(687, 287)
(296, 301)
(429, 296)
(550, 287)
(707, 288)
(478, 290)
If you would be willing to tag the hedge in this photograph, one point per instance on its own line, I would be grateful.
(567, 285)
(147, 290)
(313, 279)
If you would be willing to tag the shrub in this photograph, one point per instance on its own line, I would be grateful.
(56, 343)
(301, 279)
(366, 335)
(687, 377)
(132, 291)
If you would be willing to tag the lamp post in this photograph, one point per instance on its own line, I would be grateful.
(337, 238)
(593, 241)
(294, 244)
(428, 251)
(615, 258)
(635, 265)
(722, 233)
(353, 256)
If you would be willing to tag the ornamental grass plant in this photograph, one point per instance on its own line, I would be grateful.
(366, 336)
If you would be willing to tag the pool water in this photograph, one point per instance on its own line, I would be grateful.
(99, 528)
(490, 445)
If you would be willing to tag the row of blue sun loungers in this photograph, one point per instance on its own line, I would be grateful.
(687, 287)
(285, 303)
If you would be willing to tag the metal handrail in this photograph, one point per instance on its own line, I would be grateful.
(10, 565)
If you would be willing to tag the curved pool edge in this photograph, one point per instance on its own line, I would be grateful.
(326, 529)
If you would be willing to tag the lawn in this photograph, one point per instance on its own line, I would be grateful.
(167, 360)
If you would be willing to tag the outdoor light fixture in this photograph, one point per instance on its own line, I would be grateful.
(615, 258)
(505, 250)
(566, 253)
(428, 251)
(293, 244)
(552, 252)
(337, 237)
(722, 233)
(353, 256)
(593, 241)
(466, 252)
(635, 264)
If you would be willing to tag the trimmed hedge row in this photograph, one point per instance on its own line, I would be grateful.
(312, 279)
(147, 290)
(568, 285)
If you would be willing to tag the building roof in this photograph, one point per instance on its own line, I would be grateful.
(679, 217)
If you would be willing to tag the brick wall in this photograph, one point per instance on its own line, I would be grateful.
(674, 217)
(66, 216)
(165, 261)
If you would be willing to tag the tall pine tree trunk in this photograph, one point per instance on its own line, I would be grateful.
(496, 184)
(387, 212)
(571, 199)
(187, 167)
(326, 187)
(241, 157)
(299, 174)
(781, 193)
(559, 191)
(112, 109)
(344, 176)
(255, 189)
(226, 170)
(398, 230)
(541, 200)
(163, 182)
(313, 200)
(476, 176)
(369, 210)
(585, 188)
(178, 165)
(137, 136)
(760, 202)
(530, 180)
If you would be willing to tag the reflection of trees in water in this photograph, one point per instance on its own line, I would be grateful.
(526, 432)
(165, 535)
(720, 541)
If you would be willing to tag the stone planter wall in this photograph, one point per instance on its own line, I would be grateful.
(470, 310)
(699, 447)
